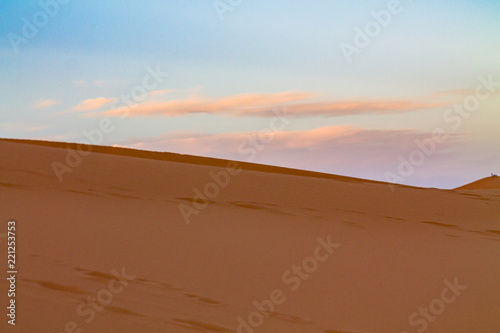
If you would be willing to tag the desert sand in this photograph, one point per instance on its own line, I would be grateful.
(109, 248)
(487, 183)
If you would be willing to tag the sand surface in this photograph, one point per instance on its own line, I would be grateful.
(394, 251)
(488, 183)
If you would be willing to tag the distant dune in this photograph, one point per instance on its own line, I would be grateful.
(137, 241)
(487, 183)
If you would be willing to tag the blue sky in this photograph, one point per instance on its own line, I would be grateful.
(227, 74)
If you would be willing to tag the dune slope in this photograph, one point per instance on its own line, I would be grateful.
(267, 249)
(487, 183)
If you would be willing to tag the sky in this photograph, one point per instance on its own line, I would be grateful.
(402, 91)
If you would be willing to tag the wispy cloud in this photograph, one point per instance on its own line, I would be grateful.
(45, 103)
(93, 104)
(242, 104)
(357, 107)
(299, 104)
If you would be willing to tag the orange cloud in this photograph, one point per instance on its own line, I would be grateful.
(237, 105)
(93, 104)
(263, 104)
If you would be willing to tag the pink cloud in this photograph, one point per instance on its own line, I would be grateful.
(93, 104)
(297, 103)
(235, 104)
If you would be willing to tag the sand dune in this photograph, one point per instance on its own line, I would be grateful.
(270, 249)
(181, 158)
(487, 183)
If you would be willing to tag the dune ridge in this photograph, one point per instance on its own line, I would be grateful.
(189, 159)
(487, 183)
